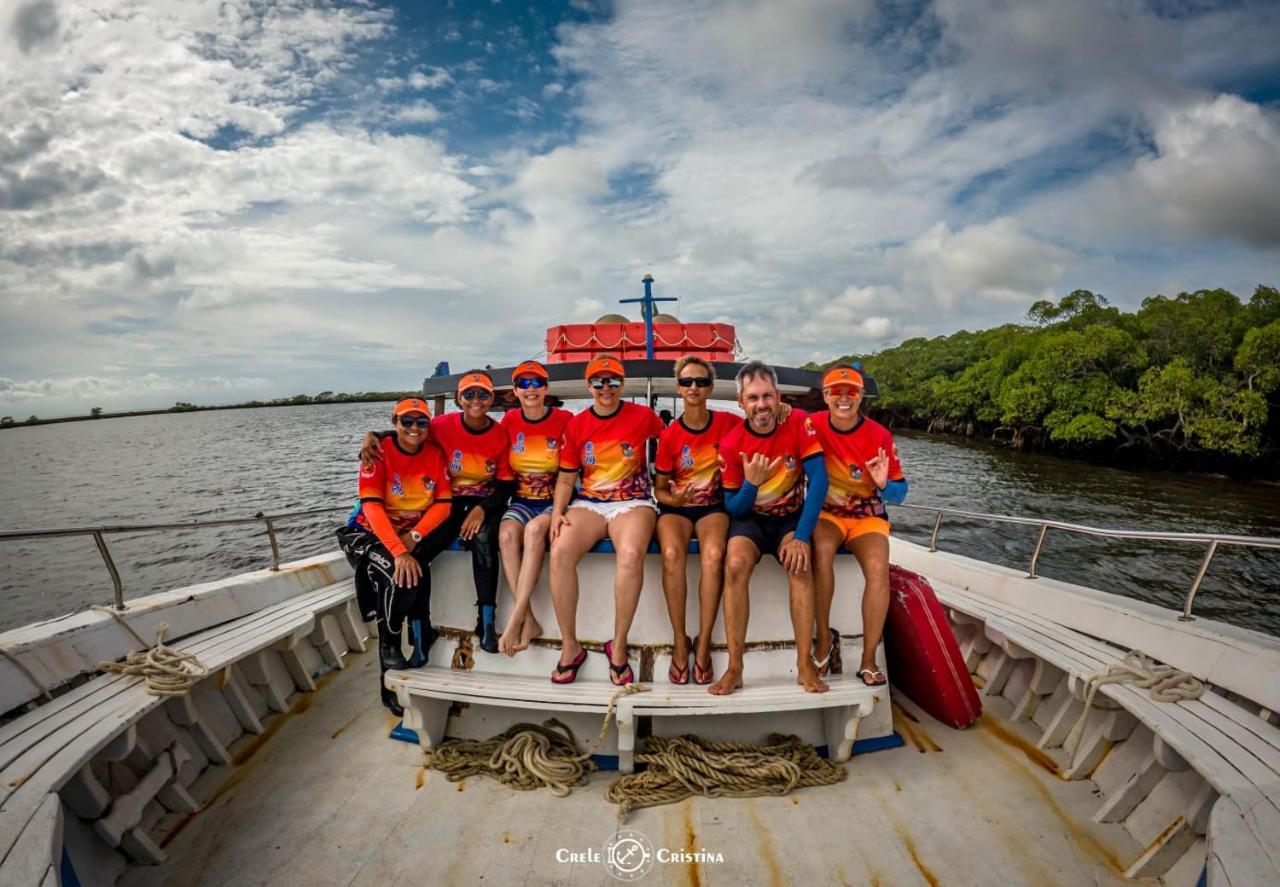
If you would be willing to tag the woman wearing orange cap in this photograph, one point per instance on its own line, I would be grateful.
(863, 473)
(475, 452)
(607, 444)
(533, 438)
(402, 523)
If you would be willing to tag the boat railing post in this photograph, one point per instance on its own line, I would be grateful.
(275, 545)
(933, 537)
(1195, 583)
(1035, 555)
(117, 585)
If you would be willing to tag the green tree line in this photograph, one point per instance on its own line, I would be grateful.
(1188, 381)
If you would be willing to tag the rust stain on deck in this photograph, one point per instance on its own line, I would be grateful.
(693, 877)
(1160, 838)
(1106, 752)
(764, 841)
(336, 733)
(908, 725)
(421, 778)
(1037, 756)
(462, 784)
(910, 845)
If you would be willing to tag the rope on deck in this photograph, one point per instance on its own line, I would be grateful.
(680, 767)
(168, 672)
(526, 757)
(1166, 684)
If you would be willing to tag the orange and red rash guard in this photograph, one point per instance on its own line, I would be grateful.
(850, 490)
(610, 451)
(535, 451)
(692, 458)
(475, 458)
(792, 442)
(398, 489)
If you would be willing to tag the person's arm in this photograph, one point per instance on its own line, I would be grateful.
(434, 516)
(665, 493)
(755, 471)
(501, 495)
(560, 502)
(894, 492)
(371, 447)
(738, 502)
(815, 472)
(380, 523)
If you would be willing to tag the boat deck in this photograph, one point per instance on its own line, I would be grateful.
(325, 798)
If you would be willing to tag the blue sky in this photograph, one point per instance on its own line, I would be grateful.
(217, 201)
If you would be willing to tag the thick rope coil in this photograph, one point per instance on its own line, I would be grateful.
(1165, 683)
(526, 757)
(168, 672)
(680, 767)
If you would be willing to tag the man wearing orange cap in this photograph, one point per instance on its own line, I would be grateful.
(400, 525)
(863, 473)
(606, 444)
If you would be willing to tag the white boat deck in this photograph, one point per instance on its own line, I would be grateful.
(325, 798)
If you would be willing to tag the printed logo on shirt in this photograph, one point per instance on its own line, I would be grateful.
(686, 456)
(628, 451)
(518, 446)
(552, 444)
(455, 464)
(790, 461)
(808, 427)
(490, 467)
(397, 485)
(589, 453)
(428, 483)
(367, 471)
(855, 472)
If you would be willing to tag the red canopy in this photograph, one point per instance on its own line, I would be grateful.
(579, 342)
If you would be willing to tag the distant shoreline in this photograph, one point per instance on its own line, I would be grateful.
(299, 400)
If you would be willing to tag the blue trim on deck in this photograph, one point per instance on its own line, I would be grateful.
(610, 762)
(67, 872)
(604, 546)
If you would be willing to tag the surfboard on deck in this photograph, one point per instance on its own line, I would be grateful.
(924, 658)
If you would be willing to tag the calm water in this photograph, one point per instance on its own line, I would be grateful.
(234, 463)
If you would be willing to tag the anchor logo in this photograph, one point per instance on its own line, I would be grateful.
(455, 464)
(686, 457)
(518, 446)
(397, 485)
(589, 453)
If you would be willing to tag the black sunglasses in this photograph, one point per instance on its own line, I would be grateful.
(693, 382)
(530, 382)
(476, 394)
(410, 421)
(598, 383)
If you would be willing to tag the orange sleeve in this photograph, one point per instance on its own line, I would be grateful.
(376, 515)
(435, 516)
(665, 462)
(569, 455)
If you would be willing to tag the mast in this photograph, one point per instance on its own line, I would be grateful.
(646, 311)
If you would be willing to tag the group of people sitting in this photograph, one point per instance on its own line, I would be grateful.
(780, 481)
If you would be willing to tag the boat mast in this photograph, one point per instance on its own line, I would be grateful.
(646, 311)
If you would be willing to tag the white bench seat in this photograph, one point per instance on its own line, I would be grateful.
(1235, 751)
(45, 749)
(426, 695)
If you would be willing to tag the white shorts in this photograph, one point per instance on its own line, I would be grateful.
(610, 510)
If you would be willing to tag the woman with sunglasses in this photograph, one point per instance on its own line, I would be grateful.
(691, 501)
(607, 444)
(401, 525)
(533, 438)
(475, 452)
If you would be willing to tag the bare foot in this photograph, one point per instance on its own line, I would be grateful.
(510, 638)
(808, 678)
(731, 680)
(531, 631)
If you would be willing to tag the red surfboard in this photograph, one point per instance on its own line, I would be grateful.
(924, 659)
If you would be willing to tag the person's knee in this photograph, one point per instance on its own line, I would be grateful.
(738, 566)
(673, 556)
(510, 534)
(630, 555)
(712, 555)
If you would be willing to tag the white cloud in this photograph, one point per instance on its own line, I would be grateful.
(83, 389)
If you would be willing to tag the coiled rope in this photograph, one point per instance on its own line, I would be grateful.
(526, 757)
(683, 766)
(1165, 683)
(168, 672)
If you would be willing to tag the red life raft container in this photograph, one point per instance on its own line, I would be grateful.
(924, 658)
(579, 342)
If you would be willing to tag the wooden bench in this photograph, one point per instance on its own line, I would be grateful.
(428, 693)
(1235, 751)
(256, 662)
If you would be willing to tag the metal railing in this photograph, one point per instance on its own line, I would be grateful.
(1212, 540)
(100, 533)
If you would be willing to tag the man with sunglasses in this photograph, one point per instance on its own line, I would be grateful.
(533, 438)
(401, 525)
(606, 444)
(691, 500)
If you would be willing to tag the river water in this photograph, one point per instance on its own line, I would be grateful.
(233, 463)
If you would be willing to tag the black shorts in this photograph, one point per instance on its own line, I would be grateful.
(766, 532)
(693, 513)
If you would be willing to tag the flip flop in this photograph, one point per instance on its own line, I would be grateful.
(680, 675)
(619, 675)
(701, 675)
(872, 674)
(831, 663)
(570, 669)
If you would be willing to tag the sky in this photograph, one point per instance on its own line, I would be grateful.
(218, 201)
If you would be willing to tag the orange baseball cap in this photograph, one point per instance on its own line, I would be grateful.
(530, 368)
(842, 376)
(410, 405)
(475, 380)
(605, 364)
